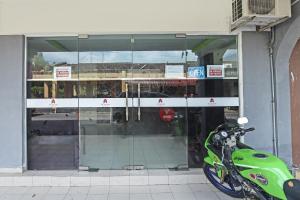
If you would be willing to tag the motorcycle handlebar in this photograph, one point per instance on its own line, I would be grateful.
(249, 129)
(237, 133)
(242, 132)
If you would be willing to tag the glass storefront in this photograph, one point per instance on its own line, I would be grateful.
(127, 101)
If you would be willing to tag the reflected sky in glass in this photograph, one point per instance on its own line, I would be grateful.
(230, 55)
(119, 57)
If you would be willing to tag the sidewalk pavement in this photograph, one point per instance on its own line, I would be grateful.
(151, 192)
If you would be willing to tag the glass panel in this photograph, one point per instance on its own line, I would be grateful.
(219, 52)
(52, 68)
(52, 139)
(201, 122)
(105, 66)
(52, 132)
(159, 126)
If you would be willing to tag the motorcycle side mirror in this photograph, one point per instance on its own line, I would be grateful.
(242, 120)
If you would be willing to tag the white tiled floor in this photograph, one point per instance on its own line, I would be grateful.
(148, 192)
(103, 177)
(118, 151)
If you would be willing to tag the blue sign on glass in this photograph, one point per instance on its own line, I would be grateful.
(196, 72)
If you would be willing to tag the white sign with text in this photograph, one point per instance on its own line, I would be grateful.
(174, 71)
(62, 73)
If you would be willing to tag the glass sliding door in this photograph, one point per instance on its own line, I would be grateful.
(159, 113)
(132, 102)
(105, 105)
(127, 101)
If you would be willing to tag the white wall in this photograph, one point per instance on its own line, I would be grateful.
(113, 16)
(257, 89)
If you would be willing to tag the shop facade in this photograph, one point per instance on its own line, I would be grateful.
(136, 97)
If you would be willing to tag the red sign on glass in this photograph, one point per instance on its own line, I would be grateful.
(215, 71)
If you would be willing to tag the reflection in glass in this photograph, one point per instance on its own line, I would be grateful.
(130, 80)
(52, 139)
(201, 122)
(47, 60)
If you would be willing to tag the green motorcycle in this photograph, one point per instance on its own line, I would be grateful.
(242, 172)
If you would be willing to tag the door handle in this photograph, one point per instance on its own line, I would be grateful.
(126, 90)
(139, 102)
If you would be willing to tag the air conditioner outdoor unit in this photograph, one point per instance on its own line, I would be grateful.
(262, 14)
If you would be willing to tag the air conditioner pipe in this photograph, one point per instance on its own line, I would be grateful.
(273, 91)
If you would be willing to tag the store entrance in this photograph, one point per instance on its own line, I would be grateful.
(127, 101)
(159, 123)
(142, 127)
(139, 116)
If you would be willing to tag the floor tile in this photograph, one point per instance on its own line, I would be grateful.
(180, 188)
(206, 196)
(184, 196)
(119, 180)
(160, 188)
(213, 188)
(196, 178)
(11, 196)
(41, 181)
(80, 181)
(224, 196)
(33, 196)
(96, 190)
(178, 179)
(79, 190)
(6, 181)
(119, 190)
(37, 190)
(118, 197)
(162, 196)
(158, 172)
(22, 181)
(143, 189)
(200, 187)
(3, 190)
(97, 197)
(54, 197)
(16, 190)
(129, 192)
(140, 197)
(99, 180)
(58, 190)
(75, 197)
(60, 181)
(158, 180)
(139, 180)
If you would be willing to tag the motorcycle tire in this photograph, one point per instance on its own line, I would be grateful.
(215, 181)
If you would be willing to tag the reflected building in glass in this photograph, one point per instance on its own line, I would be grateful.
(127, 101)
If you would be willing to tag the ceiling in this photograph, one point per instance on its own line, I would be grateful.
(126, 43)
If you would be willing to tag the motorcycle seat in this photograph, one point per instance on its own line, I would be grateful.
(292, 189)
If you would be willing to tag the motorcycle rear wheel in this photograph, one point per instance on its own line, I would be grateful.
(226, 187)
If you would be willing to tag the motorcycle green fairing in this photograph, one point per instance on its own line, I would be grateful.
(269, 173)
